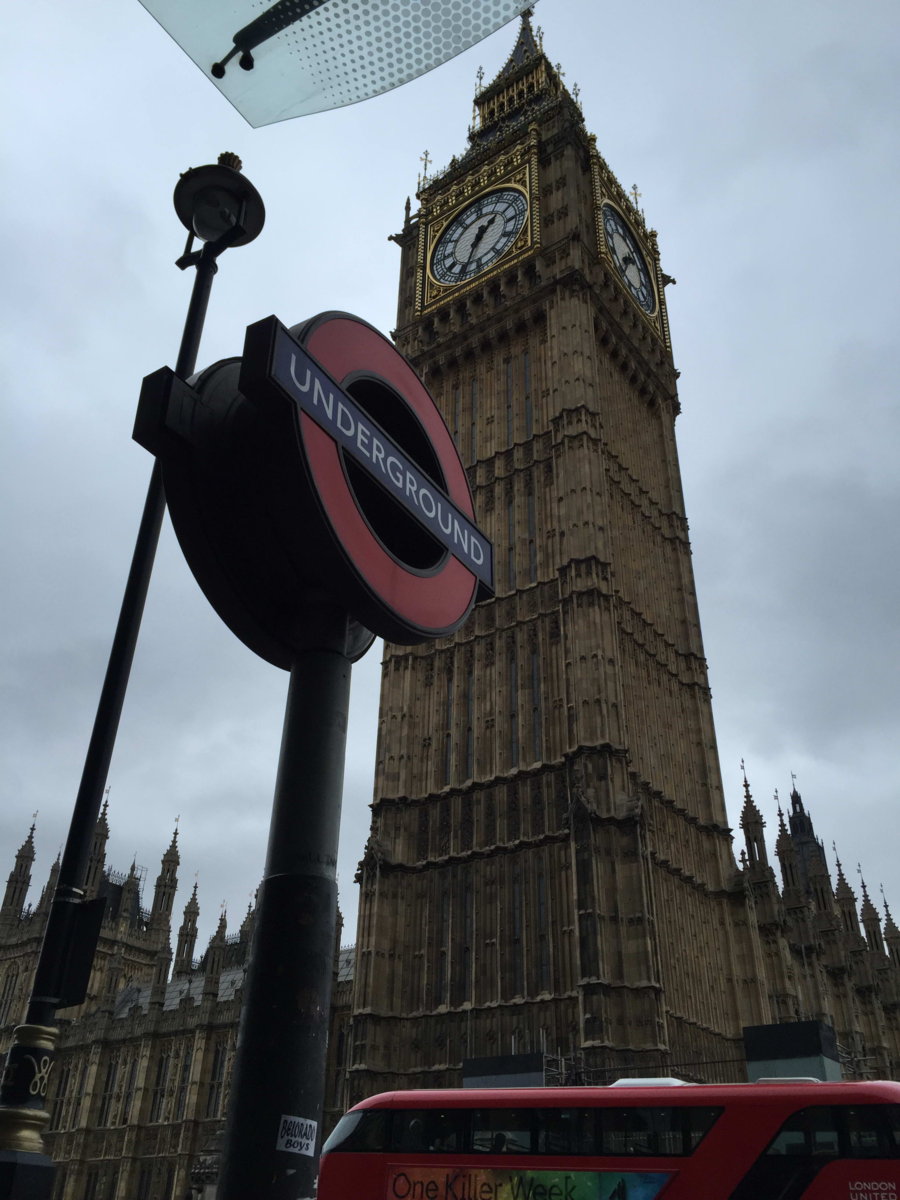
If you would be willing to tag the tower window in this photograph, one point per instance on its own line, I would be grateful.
(184, 1080)
(422, 837)
(536, 708)
(526, 390)
(159, 1088)
(128, 1095)
(543, 924)
(470, 723)
(448, 725)
(517, 965)
(217, 1076)
(468, 942)
(62, 1088)
(532, 537)
(513, 707)
(510, 411)
(109, 1091)
(473, 421)
(511, 542)
(145, 1182)
(8, 996)
(443, 949)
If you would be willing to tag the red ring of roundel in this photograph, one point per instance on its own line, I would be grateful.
(435, 602)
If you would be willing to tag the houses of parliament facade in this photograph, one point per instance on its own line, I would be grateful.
(550, 869)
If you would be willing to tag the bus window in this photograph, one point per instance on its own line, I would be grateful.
(625, 1131)
(811, 1138)
(430, 1130)
(362, 1130)
(503, 1130)
(892, 1120)
(696, 1124)
(867, 1134)
(409, 1131)
(653, 1131)
(449, 1130)
(812, 1131)
(564, 1131)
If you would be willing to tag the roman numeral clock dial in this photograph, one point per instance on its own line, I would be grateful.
(478, 235)
(627, 256)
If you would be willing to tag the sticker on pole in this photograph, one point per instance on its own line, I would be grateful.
(296, 1135)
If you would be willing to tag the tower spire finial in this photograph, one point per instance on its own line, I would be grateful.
(425, 160)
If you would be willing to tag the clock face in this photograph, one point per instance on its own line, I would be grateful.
(478, 235)
(628, 258)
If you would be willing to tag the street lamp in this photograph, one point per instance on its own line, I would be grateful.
(221, 208)
(217, 200)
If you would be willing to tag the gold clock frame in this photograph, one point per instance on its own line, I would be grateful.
(608, 190)
(442, 203)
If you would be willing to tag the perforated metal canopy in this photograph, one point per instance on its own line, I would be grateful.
(290, 58)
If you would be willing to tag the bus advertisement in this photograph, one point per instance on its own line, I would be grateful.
(491, 1183)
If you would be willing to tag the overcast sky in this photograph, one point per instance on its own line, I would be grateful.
(763, 138)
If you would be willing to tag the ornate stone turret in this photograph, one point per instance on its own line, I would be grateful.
(871, 922)
(113, 980)
(845, 901)
(97, 860)
(786, 851)
(19, 880)
(165, 887)
(758, 872)
(161, 969)
(808, 852)
(187, 935)
(215, 959)
(891, 937)
(247, 925)
(819, 881)
(753, 824)
(129, 901)
(49, 890)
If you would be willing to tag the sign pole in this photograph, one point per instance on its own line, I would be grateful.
(274, 1116)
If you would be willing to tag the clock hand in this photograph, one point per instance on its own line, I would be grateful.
(477, 238)
(481, 232)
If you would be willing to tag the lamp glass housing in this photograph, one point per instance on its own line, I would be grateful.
(211, 200)
(302, 58)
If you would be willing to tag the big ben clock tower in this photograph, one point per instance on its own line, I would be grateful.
(549, 867)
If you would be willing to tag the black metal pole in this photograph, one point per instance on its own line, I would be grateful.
(273, 1127)
(73, 868)
(67, 948)
(49, 983)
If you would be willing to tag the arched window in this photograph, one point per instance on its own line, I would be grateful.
(7, 996)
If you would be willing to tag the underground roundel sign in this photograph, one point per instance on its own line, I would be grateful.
(317, 467)
(383, 468)
(315, 472)
(383, 471)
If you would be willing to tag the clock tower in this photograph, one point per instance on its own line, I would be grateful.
(549, 869)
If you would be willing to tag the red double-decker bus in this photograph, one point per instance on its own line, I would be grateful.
(772, 1140)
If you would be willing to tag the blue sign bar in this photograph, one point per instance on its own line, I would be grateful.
(314, 391)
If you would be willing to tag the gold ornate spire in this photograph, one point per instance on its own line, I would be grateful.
(525, 81)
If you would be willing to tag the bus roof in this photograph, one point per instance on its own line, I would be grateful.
(641, 1095)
